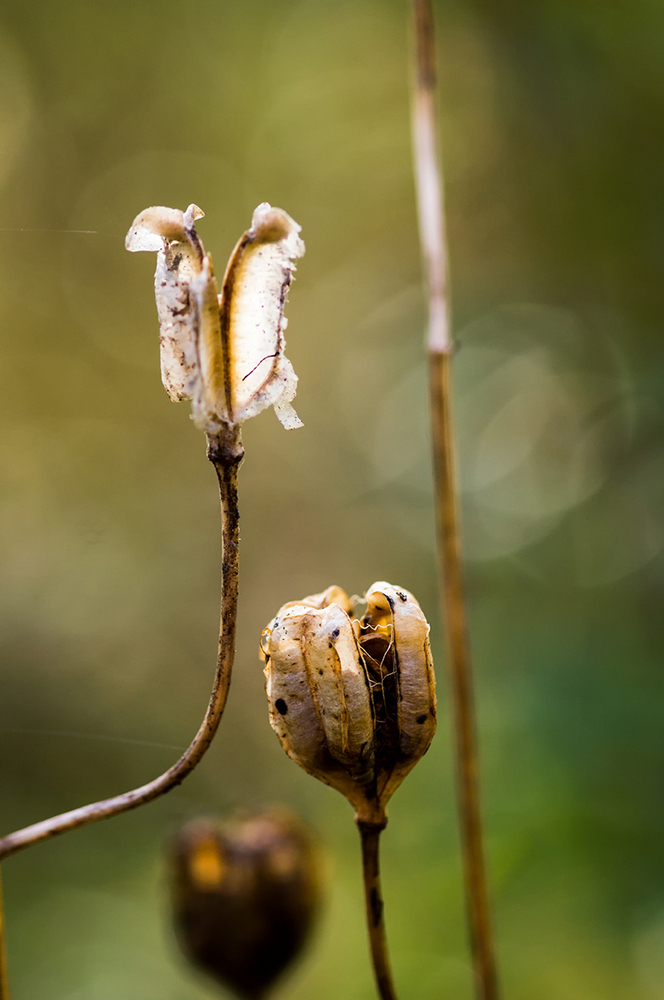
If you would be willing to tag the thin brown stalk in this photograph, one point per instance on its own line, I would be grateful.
(4, 978)
(373, 900)
(440, 347)
(225, 453)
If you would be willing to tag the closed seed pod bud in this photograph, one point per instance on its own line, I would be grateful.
(352, 701)
(244, 896)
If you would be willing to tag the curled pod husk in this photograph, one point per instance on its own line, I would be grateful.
(244, 896)
(352, 700)
(395, 634)
(223, 348)
(254, 292)
(179, 259)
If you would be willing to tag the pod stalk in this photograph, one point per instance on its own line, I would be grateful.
(374, 908)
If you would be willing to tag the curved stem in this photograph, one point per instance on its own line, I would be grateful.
(225, 453)
(440, 347)
(4, 979)
(373, 900)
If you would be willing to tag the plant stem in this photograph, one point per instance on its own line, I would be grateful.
(462, 686)
(440, 347)
(4, 979)
(225, 452)
(373, 899)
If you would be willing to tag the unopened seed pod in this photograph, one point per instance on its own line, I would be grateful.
(244, 895)
(352, 700)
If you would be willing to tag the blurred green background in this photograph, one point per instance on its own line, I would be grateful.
(109, 554)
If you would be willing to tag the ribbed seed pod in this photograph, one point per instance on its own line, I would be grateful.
(352, 700)
(244, 896)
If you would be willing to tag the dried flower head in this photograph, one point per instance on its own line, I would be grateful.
(352, 700)
(223, 350)
(245, 894)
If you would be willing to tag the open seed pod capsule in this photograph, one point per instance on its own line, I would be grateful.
(222, 346)
(352, 701)
(244, 895)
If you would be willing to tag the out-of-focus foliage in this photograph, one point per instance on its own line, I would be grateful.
(551, 116)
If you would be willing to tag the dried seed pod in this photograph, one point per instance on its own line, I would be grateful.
(256, 283)
(352, 701)
(294, 714)
(223, 350)
(245, 894)
(394, 639)
(179, 259)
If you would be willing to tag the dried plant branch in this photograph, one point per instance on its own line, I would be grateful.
(440, 347)
(373, 900)
(430, 203)
(211, 344)
(225, 452)
(4, 979)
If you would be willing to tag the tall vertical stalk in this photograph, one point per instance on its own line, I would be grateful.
(4, 978)
(373, 900)
(440, 348)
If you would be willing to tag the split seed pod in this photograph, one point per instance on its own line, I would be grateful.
(223, 350)
(244, 894)
(352, 701)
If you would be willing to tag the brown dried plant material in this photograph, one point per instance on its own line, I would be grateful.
(352, 701)
(245, 894)
(179, 259)
(223, 350)
(256, 284)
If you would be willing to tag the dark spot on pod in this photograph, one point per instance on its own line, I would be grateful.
(401, 596)
(421, 719)
(320, 672)
(335, 634)
(281, 706)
